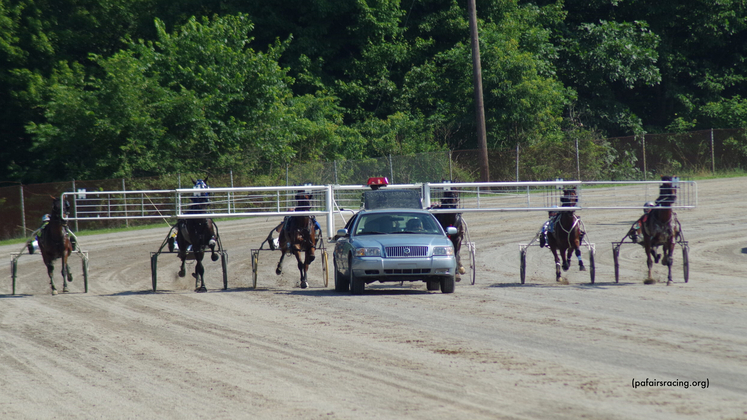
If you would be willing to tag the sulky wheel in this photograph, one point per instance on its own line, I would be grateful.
(523, 270)
(325, 268)
(592, 268)
(224, 265)
(154, 270)
(472, 262)
(615, 257)
(255, 264)
(686, 262)
(85, 274)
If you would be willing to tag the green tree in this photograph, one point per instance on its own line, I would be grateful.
(198, 99)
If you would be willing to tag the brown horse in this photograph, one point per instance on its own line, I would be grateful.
(450, 200)
(197, 233)
(660, 228)
(297, 234)
(54, 243)
(565, 234)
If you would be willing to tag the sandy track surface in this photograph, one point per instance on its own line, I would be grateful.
(496, 349)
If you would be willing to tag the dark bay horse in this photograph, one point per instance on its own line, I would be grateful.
(54, 243)
(660, 228)
(450, 200)
(297, 234)
(198, 233)
(565, 234)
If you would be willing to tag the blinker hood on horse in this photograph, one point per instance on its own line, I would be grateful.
(296, 235)
(563, 233)
(197, 233)
(658, 227)
(54, 242)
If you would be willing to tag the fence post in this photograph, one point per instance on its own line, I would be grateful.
(391, 169)
(230, 195)
(643, 146)
(713, 155)
(23, 213)
(578, 164)
(124, 191)
(75, 206)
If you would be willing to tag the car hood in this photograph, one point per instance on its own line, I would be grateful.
(402, 239)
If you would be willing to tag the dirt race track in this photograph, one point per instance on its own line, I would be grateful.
(494, 350)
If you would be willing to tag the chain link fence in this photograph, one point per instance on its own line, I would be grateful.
(633, 158)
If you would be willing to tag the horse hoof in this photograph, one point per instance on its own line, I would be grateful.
(201, 289)
(304, 284)
(182, 273)
(65, 290)
(54, 292)
(581, 268)
(669, 282)
(462, 270)
(278, 271)
(649, 281)
(214, 257)
(457, 278)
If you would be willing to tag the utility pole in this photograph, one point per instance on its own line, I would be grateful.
(479, 107)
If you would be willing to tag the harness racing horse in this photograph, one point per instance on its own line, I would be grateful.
(660, 228)
(54, 243)
(450, 200)
(564, 235)
(199, 233)
(297, 234)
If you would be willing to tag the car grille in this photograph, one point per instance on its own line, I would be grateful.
(406, 251)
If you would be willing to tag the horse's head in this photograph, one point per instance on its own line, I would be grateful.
(667, 191)
(60, 208)
(200, 198)
(450, 198)
(303, 200)
(569, 198)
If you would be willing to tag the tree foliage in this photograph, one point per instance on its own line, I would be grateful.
(93, 88)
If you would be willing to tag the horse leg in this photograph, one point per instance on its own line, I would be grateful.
(66, 275)
(50, 272)
(302, 268)
(668, 250)
(457, 242)
(557, 263)
(199, 273)
(212, 244)
(279, 268)
(566, 254)
(580, 260)
(649, 263)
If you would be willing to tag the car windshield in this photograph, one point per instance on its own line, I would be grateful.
(397, 223)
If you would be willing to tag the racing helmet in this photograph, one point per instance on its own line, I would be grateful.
(46, 218)
(648, 206)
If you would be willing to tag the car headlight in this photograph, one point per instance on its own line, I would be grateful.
(368, 252)
(443, 250)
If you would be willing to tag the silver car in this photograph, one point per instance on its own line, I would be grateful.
(393, 245)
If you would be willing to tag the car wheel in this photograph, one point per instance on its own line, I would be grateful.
(357, 286)
(432, 285)
(447, 284)
(341, 283)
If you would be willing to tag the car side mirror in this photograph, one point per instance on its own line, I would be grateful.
(342, 232)
(451, 230)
